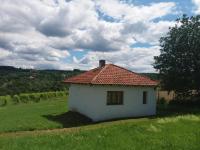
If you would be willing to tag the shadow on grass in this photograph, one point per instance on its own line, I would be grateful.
(70, 119)
(176, 110)
(75, 119)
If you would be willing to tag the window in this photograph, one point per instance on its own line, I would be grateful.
(145, 97)
(114, 97)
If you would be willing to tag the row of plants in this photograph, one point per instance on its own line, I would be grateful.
(30, 97)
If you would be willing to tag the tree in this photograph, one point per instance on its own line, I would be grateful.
(179, 59)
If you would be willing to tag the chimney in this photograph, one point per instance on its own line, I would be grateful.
(102, 63)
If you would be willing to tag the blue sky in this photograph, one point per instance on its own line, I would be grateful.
(69, 34)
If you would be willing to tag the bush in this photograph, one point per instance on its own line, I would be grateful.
(44, 96)
(31, 97)
(162, 101)
(3, 101)
(51, 94)
(61, 93)
(24, 98)
(34, 97)
(16, 99)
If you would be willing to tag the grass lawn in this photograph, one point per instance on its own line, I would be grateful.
(179, 129)
(31, 116)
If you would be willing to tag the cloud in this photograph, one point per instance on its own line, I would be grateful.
(42, 33)
(64, 19)
(4, 53)
(136, 59)
(197, 6)
(133, 13)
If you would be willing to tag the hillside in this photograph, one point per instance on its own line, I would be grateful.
(153, 76)
(16, 80)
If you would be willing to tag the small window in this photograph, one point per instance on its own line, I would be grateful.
(145, 97)
(114, 97)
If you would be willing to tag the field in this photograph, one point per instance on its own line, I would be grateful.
(31, 116)
(55, 128)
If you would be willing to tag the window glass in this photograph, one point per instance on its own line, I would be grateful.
(145, 97)
(114, 97)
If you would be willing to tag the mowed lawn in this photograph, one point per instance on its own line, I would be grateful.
(174, 131)
(32, 116)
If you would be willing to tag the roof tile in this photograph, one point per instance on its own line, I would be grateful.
(111, 75)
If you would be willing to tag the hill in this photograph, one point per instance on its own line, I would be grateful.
(17, 80)
(153, 76)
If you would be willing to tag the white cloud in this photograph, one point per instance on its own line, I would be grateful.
(197, 5)
(154, 31)
(136, 59)
(40, 33)
(132, 13)
(4, 53)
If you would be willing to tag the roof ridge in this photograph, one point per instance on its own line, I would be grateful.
(111, 74)
(100, 72)
(133, 72)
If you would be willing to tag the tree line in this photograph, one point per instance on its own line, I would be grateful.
(16, 80)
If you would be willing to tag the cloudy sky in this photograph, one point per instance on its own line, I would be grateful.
(68, 34)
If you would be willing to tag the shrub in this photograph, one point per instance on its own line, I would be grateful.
(16, 99)
(51, 94)
(35, 97)
(30, 97)
(162, 101)
(24, 98)
(38, 97)
(44, 96)
(61, 93)
(3, 101)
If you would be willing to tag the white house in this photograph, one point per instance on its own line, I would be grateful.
(110, 91)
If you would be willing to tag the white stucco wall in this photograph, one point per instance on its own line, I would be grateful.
(91, 100)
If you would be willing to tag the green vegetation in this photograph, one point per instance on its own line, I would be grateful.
(153, 76)
(178, 62)
(30, 97)
(174, 128)
(159, 134)
(15, 81)
(32, 116)
(47, 114)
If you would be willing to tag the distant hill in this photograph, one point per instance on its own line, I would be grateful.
(16, 80)
(153, 76)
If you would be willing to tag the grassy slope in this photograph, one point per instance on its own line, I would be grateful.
(31, 116)
(151, 134)
(173, 132)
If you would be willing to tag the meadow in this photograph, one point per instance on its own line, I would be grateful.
(48, 125)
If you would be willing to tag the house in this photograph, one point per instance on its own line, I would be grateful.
(110, 91)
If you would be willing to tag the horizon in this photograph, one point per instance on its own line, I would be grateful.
(75, 69)
(58, 38)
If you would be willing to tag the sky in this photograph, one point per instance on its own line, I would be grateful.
(76, 34)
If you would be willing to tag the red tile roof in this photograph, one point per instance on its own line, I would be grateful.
(111, 75)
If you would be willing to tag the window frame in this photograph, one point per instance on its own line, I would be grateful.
(115, 98)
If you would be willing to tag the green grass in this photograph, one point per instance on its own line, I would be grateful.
(32, 116)
(174, 128)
